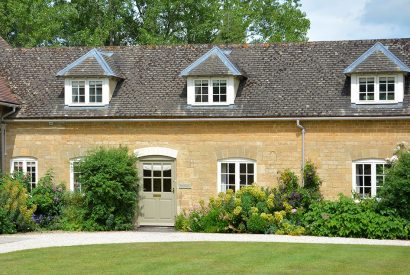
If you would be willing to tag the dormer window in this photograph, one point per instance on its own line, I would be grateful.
(219, 90)
(95, 91)
(377, 77)
(87, 92)
(377, 89)
(210, 91)
(212, 80)
(201, 91)
(90, 80)
(78, 91)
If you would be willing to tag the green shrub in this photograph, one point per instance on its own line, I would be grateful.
(181, 222)
(14, 203)
(72, 212)
(347, 218)
(395, 193)
(311, 179)
(6, 224)
(49, 200)
(109, 181)
(252, 209)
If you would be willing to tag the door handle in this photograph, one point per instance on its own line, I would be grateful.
(173, 189)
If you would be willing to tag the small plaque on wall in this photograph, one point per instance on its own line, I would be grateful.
(184, 186)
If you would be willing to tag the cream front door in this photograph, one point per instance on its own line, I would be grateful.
(157, 205)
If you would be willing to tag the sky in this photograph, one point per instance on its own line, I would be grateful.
(357, 19)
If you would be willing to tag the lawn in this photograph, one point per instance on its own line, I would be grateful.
(210, 258)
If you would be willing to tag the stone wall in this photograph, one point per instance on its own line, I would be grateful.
(332, 145)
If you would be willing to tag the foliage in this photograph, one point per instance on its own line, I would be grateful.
(72, 212)
(6, 224)
(347, 218)
(48, 197)
(14, 204)
(31, 23)
(252, 209)
(395, 193)
(311, 180)
(109, 180)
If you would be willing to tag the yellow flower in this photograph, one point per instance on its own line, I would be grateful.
(271, 201)
(254, 210)
(267, 217)
(238, 202)
(237, 211)
(279, 216)
(288, 207)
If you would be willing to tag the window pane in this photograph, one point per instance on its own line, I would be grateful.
(367, 169)
(167, 185)
(359, 180)
(242, 179)
(242, 168)
(250, 179)
(370, 87)
(147, 185)
(379, 180)
(367, 181)
(231, 179)
(362, 97)
(359, 169)
(166, 170)
(157, 185)
(231, 167)
(157, 170)
(390, 96)
(224, 168)
(250, 167)
(383, 96)
(147, 170)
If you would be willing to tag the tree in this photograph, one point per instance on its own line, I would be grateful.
(121, 22)
(29, 23)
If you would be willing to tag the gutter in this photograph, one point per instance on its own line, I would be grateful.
(85, 120)
(302, 164)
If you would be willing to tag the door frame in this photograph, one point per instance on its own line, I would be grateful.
(153, 159)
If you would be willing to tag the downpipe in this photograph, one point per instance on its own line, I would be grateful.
(302, 168)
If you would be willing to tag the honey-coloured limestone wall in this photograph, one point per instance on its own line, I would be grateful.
(275, 146)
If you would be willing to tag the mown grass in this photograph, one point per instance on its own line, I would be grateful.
(209, 258)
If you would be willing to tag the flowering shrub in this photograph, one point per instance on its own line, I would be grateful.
(347, 218)
(395, 192)
(14, 206)
(48, 197)
(252, 209)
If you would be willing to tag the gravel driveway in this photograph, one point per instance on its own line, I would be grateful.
(9, 243)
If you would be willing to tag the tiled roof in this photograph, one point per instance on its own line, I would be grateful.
(283, 80)
(213, 63)
(93, 63)
(6, 96)
(377, 59)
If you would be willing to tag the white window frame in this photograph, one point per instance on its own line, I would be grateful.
(398, 89)
(231, 87)
(24, 160)
(69, 97)
(237, 162)
(72, 161)
(373, 163)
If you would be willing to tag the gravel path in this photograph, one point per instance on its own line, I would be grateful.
(9, 243)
